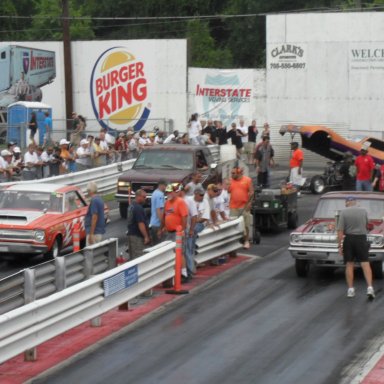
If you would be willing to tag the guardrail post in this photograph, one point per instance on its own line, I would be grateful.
(29, 296)
(88, 262)
(60, 276)
(112, 253)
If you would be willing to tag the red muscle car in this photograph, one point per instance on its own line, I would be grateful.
(39, 218)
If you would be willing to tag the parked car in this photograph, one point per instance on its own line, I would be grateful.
(39, 219)
(326, 142)
(315, 242)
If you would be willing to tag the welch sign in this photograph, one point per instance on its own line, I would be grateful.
(366, 56)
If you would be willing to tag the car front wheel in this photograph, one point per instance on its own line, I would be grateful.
(302, 267)
(54, 251)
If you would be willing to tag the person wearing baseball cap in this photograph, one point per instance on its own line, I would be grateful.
(175, 215)
(365, 167)
(353, 245)
(5, 169)
(83, 156)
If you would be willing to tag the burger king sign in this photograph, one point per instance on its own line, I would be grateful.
(119, 90)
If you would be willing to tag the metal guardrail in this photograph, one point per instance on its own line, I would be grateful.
(212, 243)
(105, 177)
(26, 327)
(55, 275)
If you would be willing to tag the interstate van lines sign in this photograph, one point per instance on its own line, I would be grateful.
(287, 56)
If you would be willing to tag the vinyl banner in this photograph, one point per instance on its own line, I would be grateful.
(219, 94)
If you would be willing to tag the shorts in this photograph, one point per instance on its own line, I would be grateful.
(355, 248)
(236, 212)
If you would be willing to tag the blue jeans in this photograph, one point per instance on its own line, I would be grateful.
(190, 249)
(363, 185)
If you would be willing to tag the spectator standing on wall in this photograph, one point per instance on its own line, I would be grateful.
(221, 133)
(264, 159)
(194, 129)
(48, 129)
(132, 146)
(32, 126)
(30, 163)
(138, 233)
(157, 212)
(46, 157)
(55, 162)
(94, 221)
(235, 136)
(252, 137)
(266, 130)
(365, 167)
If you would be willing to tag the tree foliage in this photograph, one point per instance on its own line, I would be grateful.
(217, 42)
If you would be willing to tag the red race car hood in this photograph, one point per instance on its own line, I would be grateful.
(14, 217)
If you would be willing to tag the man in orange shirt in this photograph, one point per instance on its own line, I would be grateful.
(296, 166)
(241, 190)
(175, 214)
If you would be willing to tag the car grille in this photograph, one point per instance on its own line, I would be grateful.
(6, 234)
(147, 187)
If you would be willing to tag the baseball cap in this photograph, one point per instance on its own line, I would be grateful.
(199, 191)
(174, 187)
(63, 141)
(5, 152)
(152, 134)
(84, 141)
(17, 150)
(350, 198)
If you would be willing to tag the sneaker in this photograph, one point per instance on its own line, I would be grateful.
(246, 245)
(370, 293)
(351, 292)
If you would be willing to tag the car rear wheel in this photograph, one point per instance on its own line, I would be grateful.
(54, 251)
(377, 269)
(302, 267)
(123, 207)
(317, 185)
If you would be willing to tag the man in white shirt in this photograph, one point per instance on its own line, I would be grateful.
(198, 215)
(172, 138)
(83, 153)
(5, 169)
(31, 161)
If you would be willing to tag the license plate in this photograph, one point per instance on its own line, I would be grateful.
(4, 249)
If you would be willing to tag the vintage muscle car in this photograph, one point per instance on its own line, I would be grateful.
(39, 219)
(315, 242)
(326, 142)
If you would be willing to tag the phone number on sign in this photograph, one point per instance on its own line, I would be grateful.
(287, 65)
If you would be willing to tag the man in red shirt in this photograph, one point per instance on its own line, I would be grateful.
(365, 166)
(241, 190)
(296, 166)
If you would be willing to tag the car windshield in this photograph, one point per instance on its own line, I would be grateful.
(164, 160)
(326, 208)
(35, 201)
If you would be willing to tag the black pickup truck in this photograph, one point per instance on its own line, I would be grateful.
(174, 163)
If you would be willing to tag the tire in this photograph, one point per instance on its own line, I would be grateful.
(317, 185)
(302, 267)
(54, 251)
(292, 220)
(377, 269)
(256, 236)
(123, 208)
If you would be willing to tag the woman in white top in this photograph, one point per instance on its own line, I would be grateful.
(194, 129)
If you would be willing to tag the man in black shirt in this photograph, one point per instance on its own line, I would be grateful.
(211, 130)
(138, 234)
(235, 136)
(221, 133)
